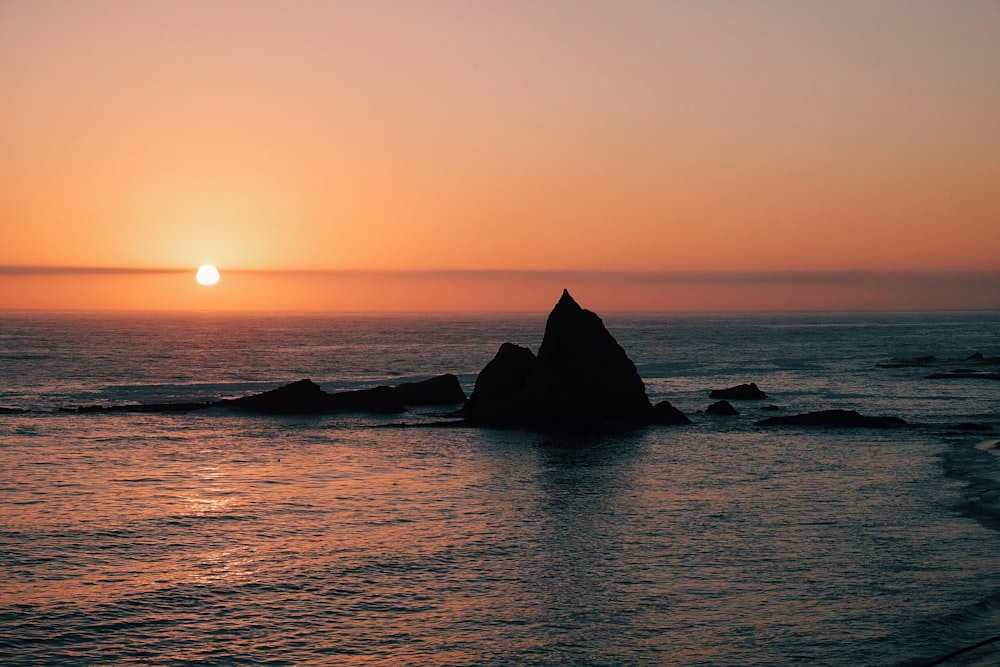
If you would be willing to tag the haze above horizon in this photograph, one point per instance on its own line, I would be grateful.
(444, 156)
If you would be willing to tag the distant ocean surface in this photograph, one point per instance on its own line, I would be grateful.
(217, 538)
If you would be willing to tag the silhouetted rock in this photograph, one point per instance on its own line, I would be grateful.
(771, 408)
(833, 418)
(500, 381)
(580, 378)
(11, 411)
(964, 374)
(742, 392)
(303, 397)
(376, 399)
(664, 413)
(582, 374)
(441, 390)
(722, 408)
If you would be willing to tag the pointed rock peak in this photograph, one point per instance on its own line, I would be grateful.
(567, 301)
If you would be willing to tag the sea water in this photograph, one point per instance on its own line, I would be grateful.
(219, 538)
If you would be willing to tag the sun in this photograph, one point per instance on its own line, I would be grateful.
(207, 274)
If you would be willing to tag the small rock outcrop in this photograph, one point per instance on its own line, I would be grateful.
(741, 392)
(500, 382)
(665, 414)
(440, 390)
(303, 397)
(722, 409)
(833, 419)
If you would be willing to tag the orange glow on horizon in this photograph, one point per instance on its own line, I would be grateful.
(651, 137)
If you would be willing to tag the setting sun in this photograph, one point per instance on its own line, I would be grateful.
(207, 275)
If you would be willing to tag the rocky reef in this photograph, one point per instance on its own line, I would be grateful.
(580, 378)
(742, 392)
(304, 397)
(833, 419)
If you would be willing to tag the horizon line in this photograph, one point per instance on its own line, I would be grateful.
(822, 276)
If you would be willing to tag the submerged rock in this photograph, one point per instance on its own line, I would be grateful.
(964, 374)
(833, 418)
(440, 390)
(979, 358)
(11, 411)
(722, 408)
(969, 426)
(742, 392)
(915, 362)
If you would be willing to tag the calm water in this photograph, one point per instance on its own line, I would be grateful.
(213, 538)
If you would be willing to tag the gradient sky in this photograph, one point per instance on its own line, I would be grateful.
(705, 155)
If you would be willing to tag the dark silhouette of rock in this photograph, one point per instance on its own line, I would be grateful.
(376, 399)
(771, 408)
(742, 392)
(580, 378)
(11, 411)
(722, 408)
(582, 374)
(441, 390)
(303, 397)
(664, 413)
(833, 418)
(499, 383)
(964, 374)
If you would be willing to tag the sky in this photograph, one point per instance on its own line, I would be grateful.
(464, 155)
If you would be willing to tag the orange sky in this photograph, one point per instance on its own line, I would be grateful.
(631, 145)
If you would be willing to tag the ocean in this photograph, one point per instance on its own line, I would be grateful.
(219, 538)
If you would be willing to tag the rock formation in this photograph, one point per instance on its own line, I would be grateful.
(833, 418)
(440, 390)
(665, 414)
(742, 392)
(499, 383)
(581, 377)
(298, 398)
(722, 408)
